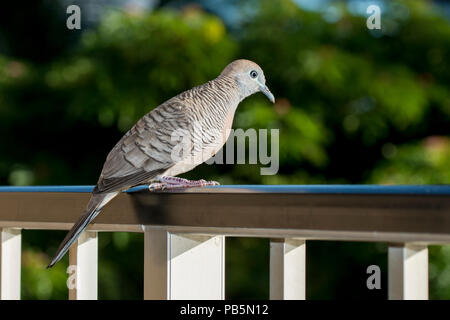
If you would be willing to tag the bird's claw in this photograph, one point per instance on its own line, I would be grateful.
(157, 186)
(168, 183)
(204, 183)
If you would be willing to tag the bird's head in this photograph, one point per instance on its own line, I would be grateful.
(249, 77)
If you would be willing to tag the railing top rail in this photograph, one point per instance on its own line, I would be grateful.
(340, 212)
(304, 189)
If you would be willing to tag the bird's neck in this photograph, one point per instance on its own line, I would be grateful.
(230, 90)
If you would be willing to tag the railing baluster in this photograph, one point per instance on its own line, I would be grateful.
(183, 266)
(408, 271)
(10, 263)
(287, 269)
(83, 257)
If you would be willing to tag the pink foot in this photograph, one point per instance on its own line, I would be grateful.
(168, 183)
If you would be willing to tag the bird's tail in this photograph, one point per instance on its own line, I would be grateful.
(95, 205)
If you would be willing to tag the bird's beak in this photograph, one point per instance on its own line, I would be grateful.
(264, 89)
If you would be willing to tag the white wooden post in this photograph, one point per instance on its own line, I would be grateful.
(83, 267)
(10, 263)
(408, 272)
(287, 269)
(183, 266)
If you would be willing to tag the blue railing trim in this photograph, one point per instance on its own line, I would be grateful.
(313, 189)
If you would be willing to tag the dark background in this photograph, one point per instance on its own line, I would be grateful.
(353, 106)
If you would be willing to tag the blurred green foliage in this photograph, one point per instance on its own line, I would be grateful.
(353, 106)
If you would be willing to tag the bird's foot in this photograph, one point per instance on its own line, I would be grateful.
(157, 186)
(169, 183)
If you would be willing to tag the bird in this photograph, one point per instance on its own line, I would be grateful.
(155, 151)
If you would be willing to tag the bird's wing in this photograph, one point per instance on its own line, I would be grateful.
(146, 150)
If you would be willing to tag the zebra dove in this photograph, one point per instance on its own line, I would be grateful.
(153, 151)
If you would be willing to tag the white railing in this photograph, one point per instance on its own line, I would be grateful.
(185, 232)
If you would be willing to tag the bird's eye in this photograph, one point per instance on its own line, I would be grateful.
(253, 74)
